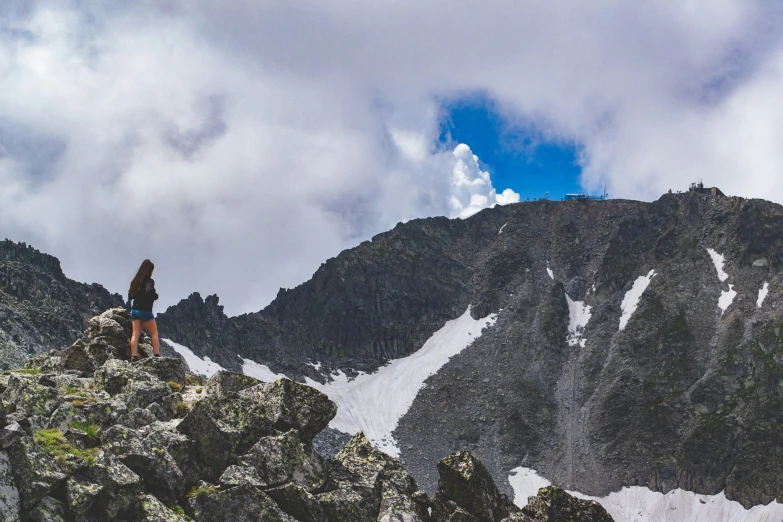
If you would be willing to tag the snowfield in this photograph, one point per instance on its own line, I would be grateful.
(726, 298)
(718, 260)
(640, 504)
(376, 402)
(260, 371)
(763, 291)
(578, 317)
(196, 364)
(632, 296)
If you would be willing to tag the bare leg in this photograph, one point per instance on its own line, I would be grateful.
(152, 328)
(135, 337)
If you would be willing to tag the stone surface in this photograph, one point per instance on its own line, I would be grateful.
(466, 483)
(278, 459)
(223, 428)
(241, 504)
(224, 382)
(553, 504)
(293, 405)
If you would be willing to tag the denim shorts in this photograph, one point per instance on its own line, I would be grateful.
(142, 315)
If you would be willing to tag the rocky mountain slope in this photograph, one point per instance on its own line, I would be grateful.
(87, 436)
(40, 308)
(636, 342)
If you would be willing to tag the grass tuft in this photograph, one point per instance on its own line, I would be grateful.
(29, 371)
(90, 430)
(181, 409)
(54, 442)
(199, 389)
(175, 386)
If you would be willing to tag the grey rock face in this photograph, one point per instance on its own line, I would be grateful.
(40, 308)
(292, 405)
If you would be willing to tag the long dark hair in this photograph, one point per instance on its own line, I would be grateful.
(144, 273)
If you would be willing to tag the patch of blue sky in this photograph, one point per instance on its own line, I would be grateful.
(517, 156)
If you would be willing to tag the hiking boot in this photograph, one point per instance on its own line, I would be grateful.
(156, 355)
(135, 358)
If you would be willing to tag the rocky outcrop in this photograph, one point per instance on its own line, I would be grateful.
(467, 493)
(146, 441)
(40, 308)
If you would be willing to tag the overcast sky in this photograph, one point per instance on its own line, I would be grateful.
(239, 144)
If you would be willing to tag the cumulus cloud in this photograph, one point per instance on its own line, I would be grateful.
(472, 188)
(239, 144)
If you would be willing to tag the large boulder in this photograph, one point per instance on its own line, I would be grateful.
(294, 406)
(466, 484)
(30, 396)
(296, 501)
(240, 504)
(223, 428)
(10, 505)
(553, 504)
(107, 490)
(278, 459)
(34, 470)
(225, 382)
(157, 469)
(167, 369)
(361, 479)
(153, 510)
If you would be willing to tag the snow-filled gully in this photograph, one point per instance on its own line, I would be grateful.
(376, 402)
(726, 296)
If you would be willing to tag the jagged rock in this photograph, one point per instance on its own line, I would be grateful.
(137, 418)
(28, 395)
(35, 472)
(152, 463)
(140, 394)
(360, 458)
(10, 433)
(400, 500)
(553, 504)
(10, 506)
(181, 448)
(76, 358)
(164, 368)
(283, 458)
(294, 406)
(105, 490)
(115, 374)
(224, 428)
(224, 382)
(48, 510)
(297, 502)
(350, 504)
(466, 483)
(237, 475)
(62, 417)
(104, 412)
(242, 504)
(152, 510)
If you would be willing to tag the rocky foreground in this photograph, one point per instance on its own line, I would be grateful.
(88, 436)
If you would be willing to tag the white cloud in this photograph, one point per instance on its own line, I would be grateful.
(471, 187)
(239, 144)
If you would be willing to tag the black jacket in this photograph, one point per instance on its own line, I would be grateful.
(145, 296)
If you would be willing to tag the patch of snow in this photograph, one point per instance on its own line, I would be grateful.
(10, 508)
(316, 365)
(726, 299)
(763, 291)
(718, 260)
(196, 364)
(501, 228)
(376, 402)
(632, 296)
(578, 317)
(640, 504)
(549, 271)
(260, 371)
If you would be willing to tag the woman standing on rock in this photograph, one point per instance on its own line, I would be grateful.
(142, 291)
